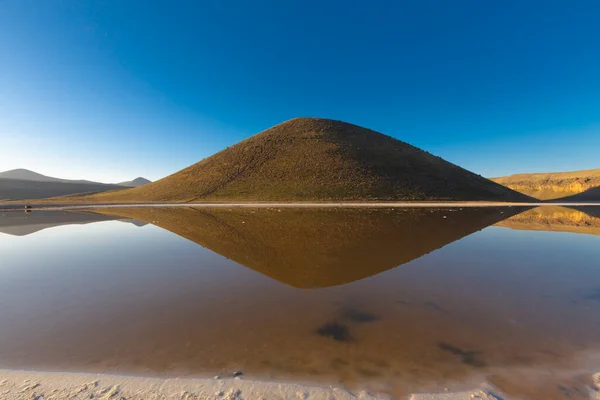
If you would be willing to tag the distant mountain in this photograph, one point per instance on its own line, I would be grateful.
(27, 175)
(22, 184)
(19, 189)
(569, 186)
(315, 159)
(136, 182)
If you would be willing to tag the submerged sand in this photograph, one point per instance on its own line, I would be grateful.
(18, 385)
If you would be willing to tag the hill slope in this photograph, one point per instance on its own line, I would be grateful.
(576, 185)
(319, 159)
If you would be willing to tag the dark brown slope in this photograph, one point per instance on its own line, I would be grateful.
(591, 195)
(309, 248)
(308, 159)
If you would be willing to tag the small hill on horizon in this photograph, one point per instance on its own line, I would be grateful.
(315, 159)
(21, 184)
(135, 183)
(568, 186)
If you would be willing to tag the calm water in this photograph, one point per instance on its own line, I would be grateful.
(392, 301)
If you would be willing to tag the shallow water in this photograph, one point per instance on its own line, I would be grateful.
(392, 301)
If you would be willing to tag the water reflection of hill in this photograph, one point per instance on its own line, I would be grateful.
(309, 248)
(22, 224)
(584, 220)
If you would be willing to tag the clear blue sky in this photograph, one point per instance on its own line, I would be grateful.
(110, 90)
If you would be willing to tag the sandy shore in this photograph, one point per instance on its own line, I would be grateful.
(21, 385)
(82, 206)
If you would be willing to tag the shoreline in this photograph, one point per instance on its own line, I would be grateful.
(17, 385)
(86, 206)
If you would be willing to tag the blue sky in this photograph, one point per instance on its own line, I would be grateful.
(110, 90)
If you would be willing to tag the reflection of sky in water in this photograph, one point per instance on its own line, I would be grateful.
(114, 297)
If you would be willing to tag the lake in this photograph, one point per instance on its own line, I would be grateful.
(393, 301)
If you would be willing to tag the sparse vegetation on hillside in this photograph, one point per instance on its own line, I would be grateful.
(308, 159)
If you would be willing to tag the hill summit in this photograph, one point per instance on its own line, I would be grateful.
(315, 159)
